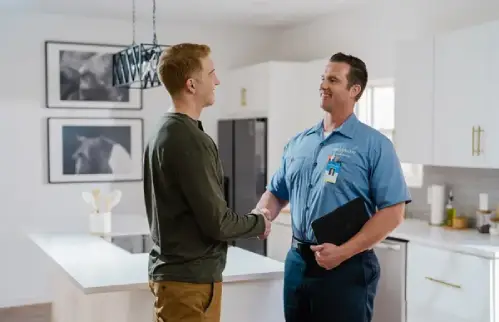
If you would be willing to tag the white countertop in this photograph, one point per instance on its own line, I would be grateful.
(97, 266)
(468, 241)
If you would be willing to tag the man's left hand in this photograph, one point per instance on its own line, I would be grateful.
(328, 255)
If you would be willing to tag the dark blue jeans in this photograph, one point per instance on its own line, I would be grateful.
(343, 294)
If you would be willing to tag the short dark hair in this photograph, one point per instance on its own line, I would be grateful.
(358, 71)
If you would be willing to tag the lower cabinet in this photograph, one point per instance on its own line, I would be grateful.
(279, 240)
(448, 286)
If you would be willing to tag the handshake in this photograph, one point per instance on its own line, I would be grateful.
(266, 215)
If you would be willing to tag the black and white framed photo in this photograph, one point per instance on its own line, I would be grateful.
(94, 149)
(79, 75)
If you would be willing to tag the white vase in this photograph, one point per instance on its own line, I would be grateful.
(100, 223)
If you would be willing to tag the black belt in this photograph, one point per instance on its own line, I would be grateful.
(305, 246)
(312, 268)
(300, 244)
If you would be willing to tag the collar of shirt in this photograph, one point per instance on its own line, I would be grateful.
(187, 118)
(347, 128)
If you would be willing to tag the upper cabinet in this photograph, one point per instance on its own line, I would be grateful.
(249, 90)
(414, 101)
(463, 100)
(288, 89)
(445, 105)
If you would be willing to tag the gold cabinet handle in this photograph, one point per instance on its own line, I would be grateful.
(473, 141)
(479, 149)
(442, 282)
(243, 94)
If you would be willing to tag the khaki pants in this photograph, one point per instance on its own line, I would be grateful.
(186, 302)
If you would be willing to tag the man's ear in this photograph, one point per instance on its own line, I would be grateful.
(191, 86)
(355, 90)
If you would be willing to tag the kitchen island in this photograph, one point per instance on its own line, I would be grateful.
(95, 280)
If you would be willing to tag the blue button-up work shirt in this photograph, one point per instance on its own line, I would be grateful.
(369, 168)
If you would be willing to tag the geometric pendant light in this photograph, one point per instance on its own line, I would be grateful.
(135, 66)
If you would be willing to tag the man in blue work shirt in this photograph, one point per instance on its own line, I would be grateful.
(324, 167)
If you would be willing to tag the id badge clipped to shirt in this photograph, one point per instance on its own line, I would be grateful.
(333, 169)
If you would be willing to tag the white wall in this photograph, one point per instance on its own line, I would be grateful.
(371, 31)
(28, 202)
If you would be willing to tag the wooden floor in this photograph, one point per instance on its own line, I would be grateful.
(32, 313)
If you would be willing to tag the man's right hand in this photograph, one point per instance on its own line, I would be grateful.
(266, 215)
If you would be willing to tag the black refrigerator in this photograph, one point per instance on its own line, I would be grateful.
(242, 145)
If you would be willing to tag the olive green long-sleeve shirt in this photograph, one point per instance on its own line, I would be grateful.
(188, 215)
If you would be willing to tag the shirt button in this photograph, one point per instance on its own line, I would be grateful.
(315, 164)
(310, 185)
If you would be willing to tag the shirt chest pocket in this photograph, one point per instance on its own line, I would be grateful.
(296, 168)
(352, 177)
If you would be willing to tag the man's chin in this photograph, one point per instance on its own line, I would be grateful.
(210, 103)
(326, 108)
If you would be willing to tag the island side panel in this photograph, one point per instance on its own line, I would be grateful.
(246, 301)
(250, 301)
(71, 304)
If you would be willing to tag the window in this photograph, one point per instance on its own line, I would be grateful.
(377, 109)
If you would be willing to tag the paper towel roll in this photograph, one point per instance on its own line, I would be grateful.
(483, 202)
(437, 216)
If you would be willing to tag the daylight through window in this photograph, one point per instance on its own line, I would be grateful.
(377, 109)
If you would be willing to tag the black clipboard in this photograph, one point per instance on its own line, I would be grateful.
(338, 226)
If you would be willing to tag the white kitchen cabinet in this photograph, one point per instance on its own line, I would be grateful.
(489, 131)
(279, 240)
(461, 95)
(253, 90)
(445, 112)
(414, 101)
(249, 90)
(448, 286)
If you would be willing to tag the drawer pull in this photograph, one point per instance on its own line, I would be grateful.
(442, 282)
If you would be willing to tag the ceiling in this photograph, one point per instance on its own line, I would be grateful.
(243, 12)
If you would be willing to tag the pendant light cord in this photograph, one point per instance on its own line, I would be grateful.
(133, 22)
(154, 37)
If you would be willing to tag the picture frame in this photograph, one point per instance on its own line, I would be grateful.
(94, 149)
(79, 76)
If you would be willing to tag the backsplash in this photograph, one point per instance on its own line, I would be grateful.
(466, 185)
